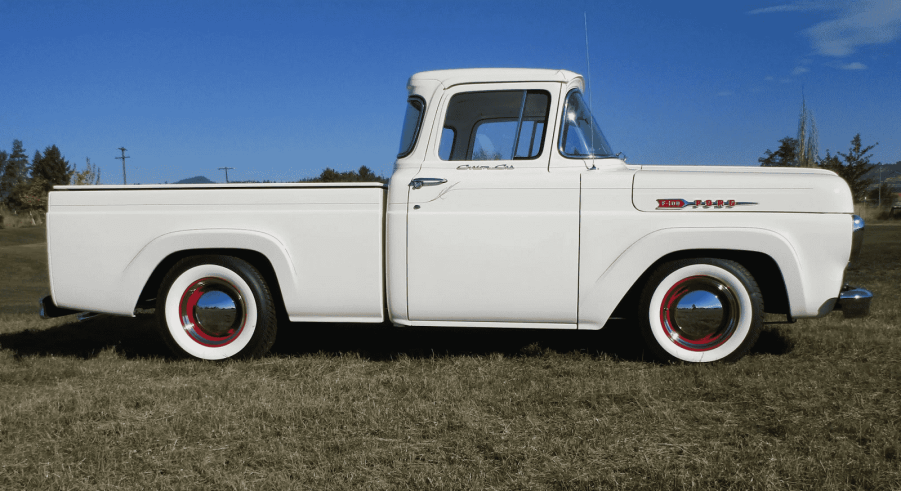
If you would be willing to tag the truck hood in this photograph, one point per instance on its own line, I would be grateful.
(740, 189)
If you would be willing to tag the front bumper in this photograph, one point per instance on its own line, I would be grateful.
(854, 302)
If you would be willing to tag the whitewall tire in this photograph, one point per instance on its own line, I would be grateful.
(701, 310)
(214, 308)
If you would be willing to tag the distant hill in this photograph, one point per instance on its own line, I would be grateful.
(195, 180)
(887, 170)
(891, 173)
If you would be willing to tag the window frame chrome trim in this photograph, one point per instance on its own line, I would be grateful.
(470, 144)
(522, 109)
(560, 149)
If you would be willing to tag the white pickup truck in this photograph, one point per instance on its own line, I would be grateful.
(507, 208)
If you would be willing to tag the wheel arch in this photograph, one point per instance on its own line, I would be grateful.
(255, 258)
(761, 266)
(768, 256)
(262, 251)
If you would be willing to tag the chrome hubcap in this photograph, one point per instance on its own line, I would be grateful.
(212, 312)
(216, 312)
(699, 313)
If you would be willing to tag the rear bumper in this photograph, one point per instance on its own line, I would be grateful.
(49, 309)
(854, 302)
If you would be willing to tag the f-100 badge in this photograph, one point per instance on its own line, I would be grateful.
(678, 204)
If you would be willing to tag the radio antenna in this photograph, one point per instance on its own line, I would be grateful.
(590, 108)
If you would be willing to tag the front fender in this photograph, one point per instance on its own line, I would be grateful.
(600, 298)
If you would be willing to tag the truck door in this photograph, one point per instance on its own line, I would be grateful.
(492, 236)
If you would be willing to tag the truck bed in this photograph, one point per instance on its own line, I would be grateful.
(324, 242)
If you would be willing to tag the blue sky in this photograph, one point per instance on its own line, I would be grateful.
(281, 90)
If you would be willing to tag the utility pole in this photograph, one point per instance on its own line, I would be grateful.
(879, 188)
(123, 157)
(226, 172)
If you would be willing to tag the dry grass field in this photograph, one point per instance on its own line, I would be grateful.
(23, 268)
(99, 405)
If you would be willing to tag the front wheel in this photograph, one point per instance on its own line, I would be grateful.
(216, 307)
(701, 310)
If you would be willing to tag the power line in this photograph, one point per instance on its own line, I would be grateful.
(123, 157)
(226, 172)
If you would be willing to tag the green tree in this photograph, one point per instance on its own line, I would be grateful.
(52, 168)
(364, 174)
(853, 167)
(30, 195)
(35, 159)
(785, 156)
(15, 169)
(88, 177)
(20, 160)
(5, 176)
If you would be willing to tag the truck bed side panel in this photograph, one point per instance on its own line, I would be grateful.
(325, 244)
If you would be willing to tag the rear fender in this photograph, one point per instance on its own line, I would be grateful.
(139, 270)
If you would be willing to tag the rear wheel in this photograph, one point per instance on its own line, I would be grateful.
(216, 307)
(701, 310)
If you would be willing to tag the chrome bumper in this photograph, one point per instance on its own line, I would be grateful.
(854, 302)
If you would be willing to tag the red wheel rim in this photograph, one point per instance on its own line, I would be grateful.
(212, 312)
(699, 313)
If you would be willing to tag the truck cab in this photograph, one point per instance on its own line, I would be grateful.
(489, 205)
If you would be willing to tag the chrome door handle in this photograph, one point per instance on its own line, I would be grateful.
(426, 181)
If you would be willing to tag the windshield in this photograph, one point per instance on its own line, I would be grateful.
(412, 120)
(580, 135)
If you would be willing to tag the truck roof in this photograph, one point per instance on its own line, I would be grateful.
(449, 78)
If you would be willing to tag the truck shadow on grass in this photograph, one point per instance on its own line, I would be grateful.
(137, 338)
(619, 340)
(382, 342)
(131, 337)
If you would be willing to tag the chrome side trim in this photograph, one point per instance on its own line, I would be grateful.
(485, 167)
(679, 203)
(415, 139)
(426, 181)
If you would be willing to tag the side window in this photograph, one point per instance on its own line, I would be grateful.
(493, 140)
(496, 125)
(412, 122)
(447, 143)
